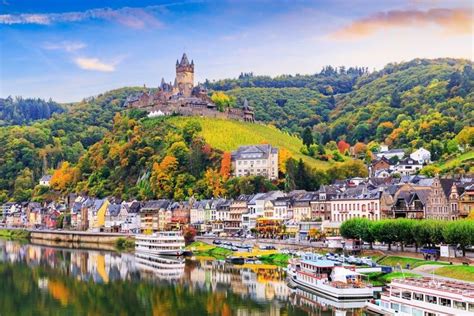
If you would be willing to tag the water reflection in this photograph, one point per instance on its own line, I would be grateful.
(38, 280)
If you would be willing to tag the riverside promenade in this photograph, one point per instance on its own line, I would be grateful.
(72, 236)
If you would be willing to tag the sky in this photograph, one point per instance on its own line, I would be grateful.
(69, 50)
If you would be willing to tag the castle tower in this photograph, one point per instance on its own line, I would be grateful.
(185, 76)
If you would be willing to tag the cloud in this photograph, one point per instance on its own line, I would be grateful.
(137, 18)
(67, 46)
(94, 64)
(450, 21)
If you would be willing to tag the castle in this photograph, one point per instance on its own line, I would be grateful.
(183, 98)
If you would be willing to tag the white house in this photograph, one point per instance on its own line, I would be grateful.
(421, 155)
(45, 180)
(408, 166)
(261, 160)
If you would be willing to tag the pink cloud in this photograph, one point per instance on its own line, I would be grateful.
(450, 21)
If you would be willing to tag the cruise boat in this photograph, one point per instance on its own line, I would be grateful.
(169, 243)
(425, 297)
(325, 277)
(163, 267)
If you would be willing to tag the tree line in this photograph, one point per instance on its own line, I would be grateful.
(411, 232)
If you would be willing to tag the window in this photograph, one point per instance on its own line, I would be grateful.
(471, 307)
(444, 302)
(406, 309)
(417, 296)
(395, 306)
(431, 299)
(459, 305)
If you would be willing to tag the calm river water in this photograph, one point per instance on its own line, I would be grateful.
(40, 280)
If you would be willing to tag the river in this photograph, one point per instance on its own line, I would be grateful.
(40, 280)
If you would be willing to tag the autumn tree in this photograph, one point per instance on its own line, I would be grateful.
(343, 146)
(226, 165)
(163, 177)
(65, 177)
(214, 184)
(283, 156)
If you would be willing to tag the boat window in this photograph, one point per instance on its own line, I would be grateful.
(431, 299)
(444, 302)
(471, 307)
(406, 295)
(418, 296)
(395, 293)
(416, 312)
(395, 306)
(429, 314)
(459, 305)
(406, 309)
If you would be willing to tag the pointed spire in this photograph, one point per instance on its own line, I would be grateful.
(162, 82)
(184, 60)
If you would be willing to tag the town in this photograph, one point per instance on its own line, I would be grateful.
(273, 214)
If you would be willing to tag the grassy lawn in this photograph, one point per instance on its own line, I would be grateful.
(465, 273)
(380, 279)
(394, 261)
(278, 259)
(228, 135)
(205, 250)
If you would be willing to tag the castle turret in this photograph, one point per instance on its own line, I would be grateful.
(185, 76)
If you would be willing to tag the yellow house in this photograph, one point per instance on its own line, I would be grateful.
(100, 219)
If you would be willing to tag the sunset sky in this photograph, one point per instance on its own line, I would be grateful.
(68, 50)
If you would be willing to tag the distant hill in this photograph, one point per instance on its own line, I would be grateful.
(14, 111)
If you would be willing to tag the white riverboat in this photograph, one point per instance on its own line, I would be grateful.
(426, 297)
(325, 277)
(170, 243)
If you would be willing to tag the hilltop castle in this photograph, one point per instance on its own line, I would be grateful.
(182, 97)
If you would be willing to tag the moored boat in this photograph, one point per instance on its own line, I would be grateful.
(325, 277)
(169, 243)
(426, 296)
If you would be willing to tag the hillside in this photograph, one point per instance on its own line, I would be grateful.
(20, 111)
(228, 135)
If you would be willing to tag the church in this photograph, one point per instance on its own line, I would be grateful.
(182, 97)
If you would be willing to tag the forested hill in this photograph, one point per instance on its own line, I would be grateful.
(15, 111)
(406, 104)
(329, 81)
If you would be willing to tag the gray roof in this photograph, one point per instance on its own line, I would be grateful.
(113, 209)
(155, 205)
(46, 177)
(254, 152)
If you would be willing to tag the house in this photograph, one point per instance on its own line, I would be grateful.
(45, 180)
(96, 214)
(261, 160)
(410, 202)
(320, 207)
(256, 207)
(407, 166)
(421, 155)
(34, 213)
(198, 212)
(389, 154)
(131, 211)
(380, 164)
(237, 208)
(113, 218)
(306, 226)
(439, 204)
(358, 202)
(151, 213)
(301, 206)
(466, 201)
(281, 207)
(180, 215)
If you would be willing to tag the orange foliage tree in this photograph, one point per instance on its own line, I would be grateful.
(163, 175)
(343, 146)
(283, 156)
(214, 183)
(64, 177)
(226, 165)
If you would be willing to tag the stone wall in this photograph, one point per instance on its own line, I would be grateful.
(78, 237)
